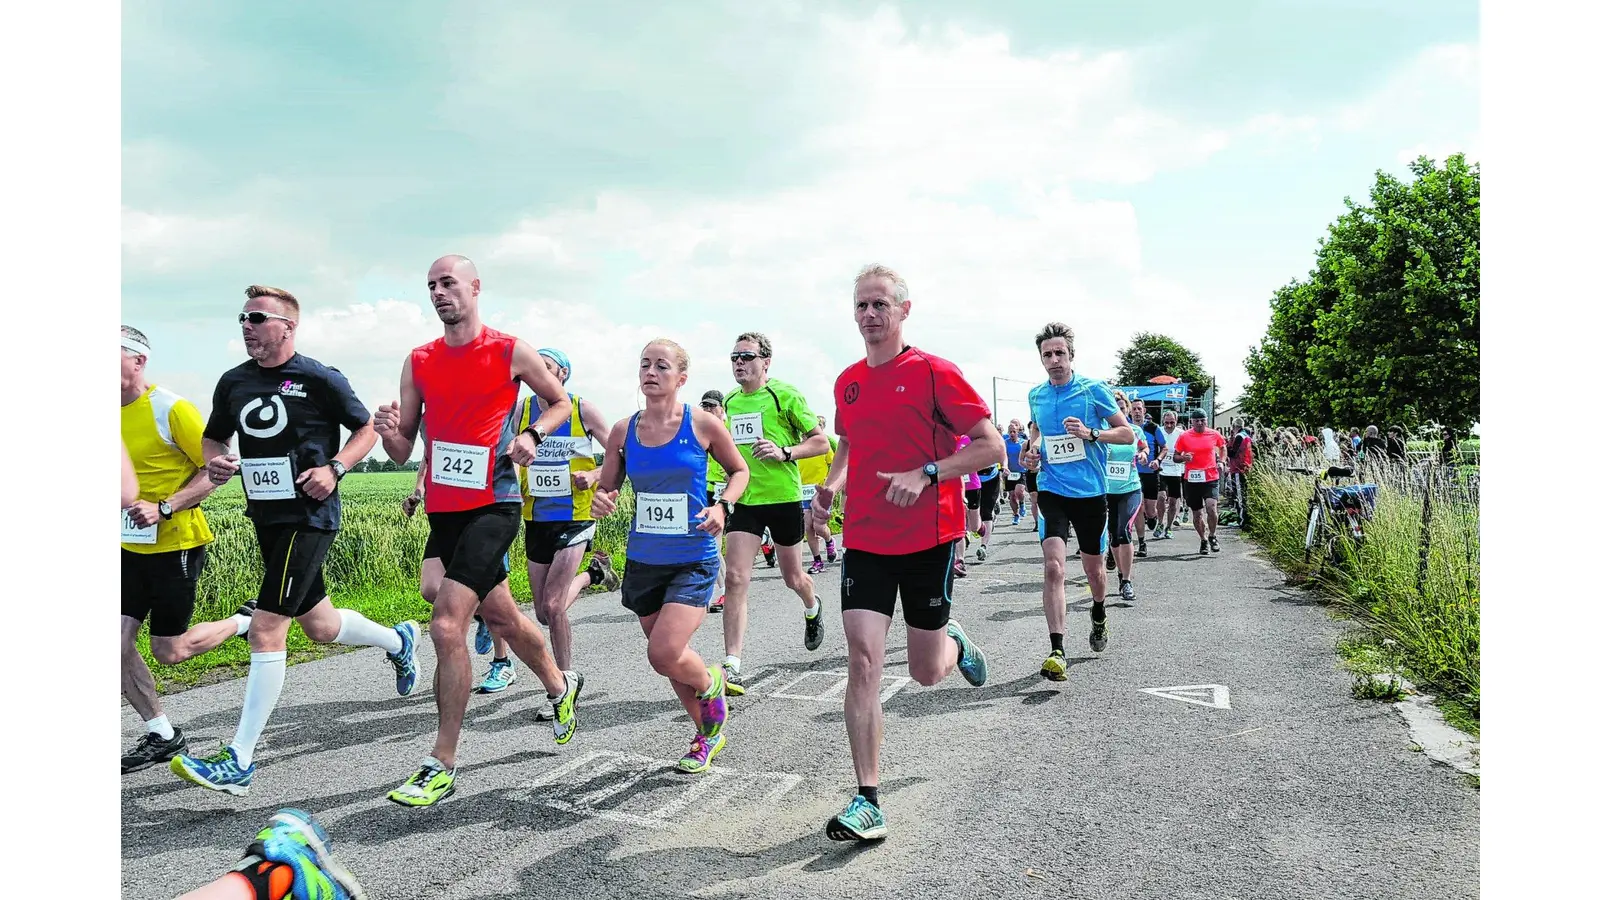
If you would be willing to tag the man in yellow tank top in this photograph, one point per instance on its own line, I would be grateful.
(164, 538)
(814, 471)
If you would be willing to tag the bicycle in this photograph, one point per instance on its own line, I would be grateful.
(1334, 515)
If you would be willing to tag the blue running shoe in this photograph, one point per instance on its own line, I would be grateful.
(218, 772)
(500, 676)
(482, 642)
(861, 820)
(405, 663)
(973, 665)
(294, 839)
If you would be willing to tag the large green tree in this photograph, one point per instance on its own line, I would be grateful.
(1385, 328)
(1149, 355)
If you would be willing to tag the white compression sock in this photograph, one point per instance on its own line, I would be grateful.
(261, 690)
(360, 631)
(732, 662)
(160, 726)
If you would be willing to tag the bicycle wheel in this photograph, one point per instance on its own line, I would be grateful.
(1313, 519)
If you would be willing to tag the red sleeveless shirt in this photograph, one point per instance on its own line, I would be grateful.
(469, 414)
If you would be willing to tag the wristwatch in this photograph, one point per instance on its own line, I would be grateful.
(787, 456)
(338, 469)
(165, 509)
(538, 433)
(1094, 435)
(932, 471)
(727, 508)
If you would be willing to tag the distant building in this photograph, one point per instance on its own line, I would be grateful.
(1225, 417)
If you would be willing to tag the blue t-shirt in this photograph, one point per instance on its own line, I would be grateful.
(1013, 455)
(1119, 456)
(1089, 401)
(1154, 440)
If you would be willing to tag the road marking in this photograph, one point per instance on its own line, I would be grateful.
(1248, 731)
(1213, 695)
(834, 691)
(603, 784)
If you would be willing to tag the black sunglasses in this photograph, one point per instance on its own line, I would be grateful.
(746, 357)
(257, 317)
(708, 406)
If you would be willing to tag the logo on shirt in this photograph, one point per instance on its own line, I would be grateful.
(852, 391)
(258, 419)
(292, 389)
(900, 389)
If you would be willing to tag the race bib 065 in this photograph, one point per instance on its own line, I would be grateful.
(550, 481)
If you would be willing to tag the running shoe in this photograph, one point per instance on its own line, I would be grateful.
(1142, 551)
(1097, 635)
(960, 568)
(814, 626)
(545, 713)
(426, 786)
(717, 604)
(714, 709)
(295, 839)
(601, 573)
(405, 662)
(983, 553)
(482, 641)
(218, 772)
(1127, 591)
(816, 566)
(733, 681)
(1055, 666)
(1214, 547)
(973, 664)
(1203, 547)
(770, 554)
(501, 675)
(701, 751)
(1149, 522)
(861, 820)
(1015, 520)
(1111, 562)
(566, 705)
(152, 749)
(833, 551)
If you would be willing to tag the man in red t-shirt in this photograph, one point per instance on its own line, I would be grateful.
(900, 412)
(1202, 451)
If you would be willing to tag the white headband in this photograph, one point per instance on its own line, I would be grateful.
(133, 344)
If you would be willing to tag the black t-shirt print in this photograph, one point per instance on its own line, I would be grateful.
(288, 420)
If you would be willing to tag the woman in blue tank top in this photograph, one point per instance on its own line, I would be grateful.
(672, 557)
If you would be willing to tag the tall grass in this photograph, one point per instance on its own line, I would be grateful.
(1435, 623)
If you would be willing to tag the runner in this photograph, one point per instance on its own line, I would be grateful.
(1171, 477)
(287, 410)
(1072, 484)
(716, 482)
(465, 385)
(985, 501)
(164, 540)
(1149, 471)
(813, 471)
(672, 541)
(969, 493)
(1201, 450)
(1124, 500)
(557, 526)
(1030, 475)
(1014, 487)
(899, 412)
(773, 427)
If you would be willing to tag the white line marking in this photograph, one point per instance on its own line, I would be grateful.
(834, 693)
(716, 786)
(1212, 695)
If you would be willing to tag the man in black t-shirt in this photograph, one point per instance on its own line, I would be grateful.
(287, 410)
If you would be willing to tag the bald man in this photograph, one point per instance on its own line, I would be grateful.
(463, 388)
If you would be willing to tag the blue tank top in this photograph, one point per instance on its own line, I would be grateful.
(669, 492)
(1013, 454)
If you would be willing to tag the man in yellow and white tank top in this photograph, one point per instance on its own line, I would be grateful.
(814, 471)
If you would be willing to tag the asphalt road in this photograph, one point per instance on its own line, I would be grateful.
(1023, 787)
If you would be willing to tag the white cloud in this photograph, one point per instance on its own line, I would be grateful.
(162, 243)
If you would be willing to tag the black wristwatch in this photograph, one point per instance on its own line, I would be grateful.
(338, 470)
(787, 456)
(1094, 435)
(165, 509)
(932, 471)
(727, 509)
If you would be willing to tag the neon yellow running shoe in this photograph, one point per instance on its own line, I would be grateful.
(566, 707)
(701, 752)
(427, 786)
(1055, 666)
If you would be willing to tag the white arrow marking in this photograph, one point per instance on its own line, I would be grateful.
(1212, 695)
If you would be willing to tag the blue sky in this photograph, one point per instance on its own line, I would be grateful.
(627, 170)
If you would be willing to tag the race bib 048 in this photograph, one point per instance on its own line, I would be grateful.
(268, 479)
(459, 465)
(746, 428)
(1063, 448)
(661, 513)
(133, 534)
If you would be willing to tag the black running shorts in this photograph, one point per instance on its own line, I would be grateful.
(1173, 485)
(161, 586)
(1085, 515)
(923, 580)
(1150, 485)
(984, 499)
(1122, 508)
(786, 521)
(541, 541)
(472, 544)
(293, 556)
(1196, 493)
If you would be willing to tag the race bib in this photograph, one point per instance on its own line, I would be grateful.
(1119, 471)
(133, 534)
(1063, 448)
(661, 513)
(1197, 476)
(1013, 476)
(716, 490)
(459, 465)
(746, 428)
(1172, 469)
(268, 479)
(808, 492)
(550, 481)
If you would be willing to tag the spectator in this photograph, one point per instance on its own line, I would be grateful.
(1396, 446)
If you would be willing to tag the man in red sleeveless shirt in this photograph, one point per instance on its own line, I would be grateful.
(463, 389)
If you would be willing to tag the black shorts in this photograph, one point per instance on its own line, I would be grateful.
(293, 556)
(985, 499)
(1149, 484)
(1197, 493)
(1031, 481)
(1085, 515)
(472, 544)
(923, 580)
(542, 540)
(785, 520)
(1013, 482)
(646, 588)
(1173, 485)
(1121, 508)
(161, 586)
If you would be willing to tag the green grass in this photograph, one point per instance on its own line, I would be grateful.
(1434, 629)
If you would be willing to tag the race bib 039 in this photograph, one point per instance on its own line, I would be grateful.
(1119, 471)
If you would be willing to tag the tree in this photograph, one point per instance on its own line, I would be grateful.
(1385, 329)
(1150, 355)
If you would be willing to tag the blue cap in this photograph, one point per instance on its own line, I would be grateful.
(559, 358)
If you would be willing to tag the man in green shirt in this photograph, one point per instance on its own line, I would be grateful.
(773, 427)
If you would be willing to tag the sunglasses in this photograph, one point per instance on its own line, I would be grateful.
(708, 406)
(745, 357)
(260, 318)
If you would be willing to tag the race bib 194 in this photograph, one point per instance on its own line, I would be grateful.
(1063, 448)
(268, 479)
(661, 513)
(1197, 476)
(550, 481)
(133, 534)
(459, 465)
(1119, 471)
(746, 428)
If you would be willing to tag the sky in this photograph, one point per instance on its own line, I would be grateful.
(622, 171)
